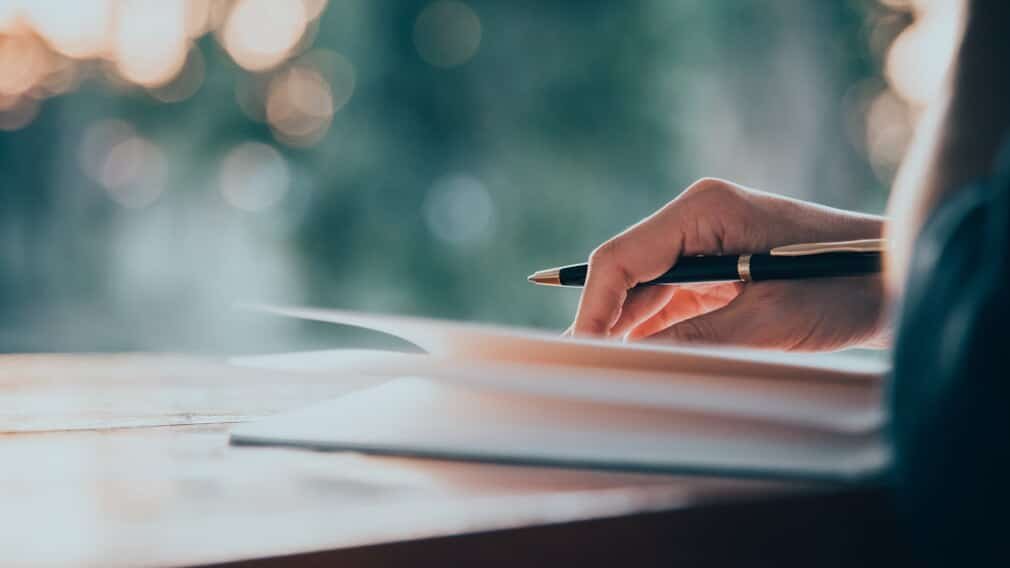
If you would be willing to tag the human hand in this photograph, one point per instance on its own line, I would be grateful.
(718, 217)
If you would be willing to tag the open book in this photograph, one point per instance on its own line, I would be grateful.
(504, 394)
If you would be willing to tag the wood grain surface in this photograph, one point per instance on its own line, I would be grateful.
(123, 461)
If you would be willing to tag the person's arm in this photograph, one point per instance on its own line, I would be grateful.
(718, 217)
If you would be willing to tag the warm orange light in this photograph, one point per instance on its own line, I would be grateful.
(299, 106)
(260, 34)
(24, 61)
(151, 41)
(338, 71)
(10, 15)
(8, 101)
(198, 17)
(63, 76)
(186, 83)
(77, 29)
(148, 43)
(19, 114)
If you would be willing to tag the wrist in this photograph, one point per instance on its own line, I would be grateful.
(839, 225)
(792, 221)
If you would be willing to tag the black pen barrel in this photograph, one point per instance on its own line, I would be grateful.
(693, 269)
(697, 269)
(823, 265)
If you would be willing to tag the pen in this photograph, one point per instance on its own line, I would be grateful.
(807, 260)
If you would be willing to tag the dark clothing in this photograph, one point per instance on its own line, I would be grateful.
(950, 395)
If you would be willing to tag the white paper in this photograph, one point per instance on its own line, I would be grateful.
(429, 418)
(458, 340)
(850, 406)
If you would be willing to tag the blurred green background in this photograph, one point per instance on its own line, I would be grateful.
(411, 156)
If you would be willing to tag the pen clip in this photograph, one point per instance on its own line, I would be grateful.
(804, 249)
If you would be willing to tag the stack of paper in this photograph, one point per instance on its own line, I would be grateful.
(511, 395)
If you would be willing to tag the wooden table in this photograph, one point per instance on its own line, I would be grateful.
(124, 461)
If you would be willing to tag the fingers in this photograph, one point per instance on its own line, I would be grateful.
(606, 289)
(686, 303)
(694, 222)
(642, 303)
(641, 253)
(742, 321)
(804, 315)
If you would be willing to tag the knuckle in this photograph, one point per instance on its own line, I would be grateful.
(605, 254)
(710, 188)
(595, 324)
(611, 257)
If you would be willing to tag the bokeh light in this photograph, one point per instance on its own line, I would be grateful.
(8, 101)
(253, 177)
(186, 83)
(458, 210)
(24, 61)
(447, 33)
(917, 61)
(200, 16)
(915, 40)
(47, 47)
(76, 29)
(19, 114)
(260, 34)
(299, 106)
(338, 71)
(335, 122)
(62, 77)
(98, 140)
(151, 41)
(888, 128)
(10, 15)
(133, 172)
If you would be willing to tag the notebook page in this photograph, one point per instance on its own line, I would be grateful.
(428, 418)
(835, 405)
(449, 339)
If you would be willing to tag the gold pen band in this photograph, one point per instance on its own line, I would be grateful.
(743, 267)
